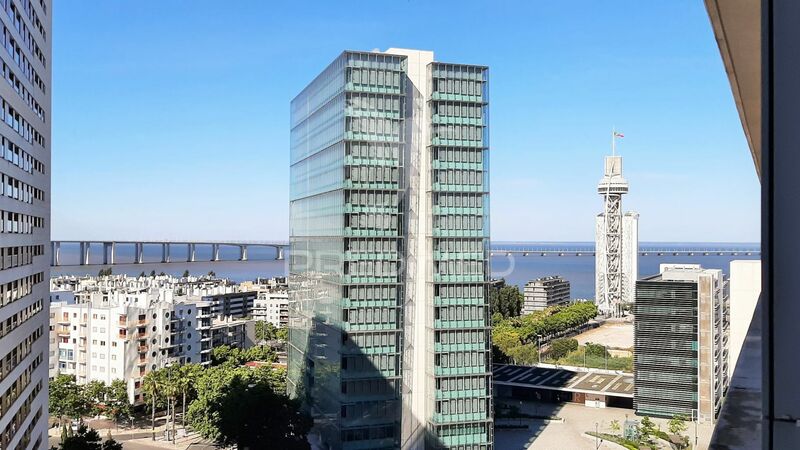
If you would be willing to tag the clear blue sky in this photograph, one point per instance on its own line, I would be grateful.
(170, 119)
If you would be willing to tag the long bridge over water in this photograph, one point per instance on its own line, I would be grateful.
(108, 250)
(646, 250)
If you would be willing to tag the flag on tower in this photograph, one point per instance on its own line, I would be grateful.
(619, 135)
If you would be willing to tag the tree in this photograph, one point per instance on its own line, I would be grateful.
(597, 350)
(282, 334)
(152, 273)
(185, 274)
(507, 300)
(151, 389)
(84, 439)
(265, 331)
(615, 426)
(259, 353)
(66, 398)
(226, 398)
(95, 394)
(646, 431)
(117, 403)
(223, 353)
(560, 348)
(211, 273)
(111, 444)
(161, 274)
(189, 373)
(169, 378)
(142, 275)
(677, 424)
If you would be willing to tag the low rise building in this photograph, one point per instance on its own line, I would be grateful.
(681, 343)
(545, 292)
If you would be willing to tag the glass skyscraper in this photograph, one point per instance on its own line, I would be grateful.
(389, 343)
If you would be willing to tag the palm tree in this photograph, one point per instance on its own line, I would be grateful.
(188, 377)
(171, 386)
(151, 386)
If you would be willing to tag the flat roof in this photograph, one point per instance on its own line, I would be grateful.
(569, 380)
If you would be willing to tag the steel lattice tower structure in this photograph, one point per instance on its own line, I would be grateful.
(616, 242)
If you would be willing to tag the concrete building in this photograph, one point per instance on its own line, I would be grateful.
(95, 341)
(119, 327)
(745, 285)
(545, 292)
(388, 299)
(24, 221)
(681, 339)
(616, 243)
(272, 307)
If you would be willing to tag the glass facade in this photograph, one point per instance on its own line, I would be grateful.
(459, 150)
(349, 202)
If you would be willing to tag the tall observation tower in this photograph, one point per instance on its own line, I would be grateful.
(616, 241)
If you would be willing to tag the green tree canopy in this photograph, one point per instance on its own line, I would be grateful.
(84, 439)
(66, 398)
(117, 404)
(513, 332)
(506, 300)
(677, 424)
(560, 348)
(226, 398)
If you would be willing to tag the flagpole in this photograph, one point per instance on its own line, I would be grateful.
(613, 141)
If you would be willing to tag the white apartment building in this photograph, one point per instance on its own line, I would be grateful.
(272, 307)
(122, 328)
(544, 292)
(101, 342)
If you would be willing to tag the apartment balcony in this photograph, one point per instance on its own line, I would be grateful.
(63, 332)
(204, 315)
(142, 349)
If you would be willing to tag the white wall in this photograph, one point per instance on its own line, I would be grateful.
(745, 288)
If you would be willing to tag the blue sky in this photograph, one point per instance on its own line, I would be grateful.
(170, 119)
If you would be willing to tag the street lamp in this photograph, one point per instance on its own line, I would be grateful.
(597, 440)
(695, 419)
(539, 346)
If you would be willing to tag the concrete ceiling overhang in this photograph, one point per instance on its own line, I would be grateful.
(737, 27)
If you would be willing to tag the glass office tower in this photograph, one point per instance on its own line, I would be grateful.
(389, 341)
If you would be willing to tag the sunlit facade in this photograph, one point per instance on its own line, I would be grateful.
(24, 222)
(389, 341)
